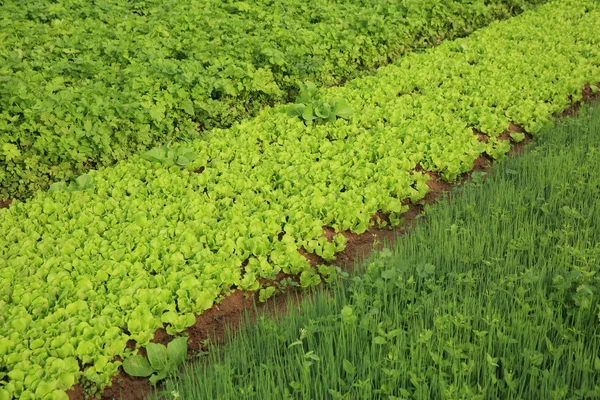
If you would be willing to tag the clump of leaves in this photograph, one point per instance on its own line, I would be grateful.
(310, 107)
(170, 155)
(161, 362)
(82, 182)
(517, 136)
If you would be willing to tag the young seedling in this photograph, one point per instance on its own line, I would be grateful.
(161, 362)
(310, 107)
(170, 155)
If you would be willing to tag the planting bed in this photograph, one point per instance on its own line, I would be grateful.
(84, 84)
(90, 272)
(496, 296)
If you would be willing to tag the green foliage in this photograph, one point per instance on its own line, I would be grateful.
(86, 85)
(495, 297)
(266, 293)
(83, 272)
(517, 136)
(310, 107)
(170, 155)
(82, 182)
(161, 362)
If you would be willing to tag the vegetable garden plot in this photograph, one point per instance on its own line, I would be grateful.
(84, 84)
(118, 253)
(495, 297)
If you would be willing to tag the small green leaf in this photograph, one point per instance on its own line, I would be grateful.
(265, 293)
(157, 112)
(379, 340)
(158, 377)
(10, 151)
(349, 368)
(322, 112)
(308, 91)
(517, 136)
(188, 107)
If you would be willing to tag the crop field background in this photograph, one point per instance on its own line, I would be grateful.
(205, 203)
(494, 297)
(83, 84)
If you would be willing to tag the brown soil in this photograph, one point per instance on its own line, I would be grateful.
(226, 316)
(5, 203)
(588, 97)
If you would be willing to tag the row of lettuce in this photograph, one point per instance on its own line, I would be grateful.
(131, 248)
(495, 297)
(84, 85)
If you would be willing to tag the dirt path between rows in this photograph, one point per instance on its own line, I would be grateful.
(230, 311)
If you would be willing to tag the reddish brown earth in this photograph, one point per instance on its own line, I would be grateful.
(227, 315)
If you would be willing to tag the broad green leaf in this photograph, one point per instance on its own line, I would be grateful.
(4, 394)
(177, 350)
(84, 181)
(189, 154)
(182, 161)
(169, 317)
(157, 112)
(341, 108)
(156, 154)
(295, 110)
(188, 107)
(308, 114)
(58, 187)
(59, 395)
(157, 356)
(137, 365)
(322, 112)
(308, 91)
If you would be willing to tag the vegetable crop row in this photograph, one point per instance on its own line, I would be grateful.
(495, 297)
(126, 249)
(84, 84)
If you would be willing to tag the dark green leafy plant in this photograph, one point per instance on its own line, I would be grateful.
(175, 77)
(82, 182)
(161, 362)
(167, 155)
(310, 107)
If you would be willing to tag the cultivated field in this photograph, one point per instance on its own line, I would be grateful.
(495, 297)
